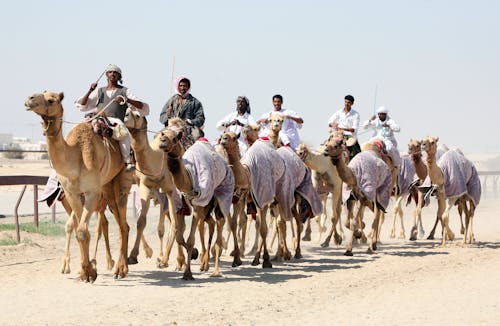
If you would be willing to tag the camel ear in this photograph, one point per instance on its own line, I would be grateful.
(61, 96)
(179, 135)
(437, 139)
(238, 136)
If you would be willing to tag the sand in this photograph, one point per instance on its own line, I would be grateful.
(403, 283)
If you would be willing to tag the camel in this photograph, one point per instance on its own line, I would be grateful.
(153, 175)
(368, 179)
(276, 120)
(87, 166)
(456, 182)
(177, 158)
(229, 142)
(325, 176)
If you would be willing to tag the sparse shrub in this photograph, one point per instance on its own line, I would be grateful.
(16, 154)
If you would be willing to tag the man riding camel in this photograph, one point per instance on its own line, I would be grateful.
(114, 99)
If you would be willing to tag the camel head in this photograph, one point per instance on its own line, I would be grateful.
(333, 147)
(134, 121)
(376, 146)
(229, 140)
(46, 104)
(170, 141)
(415, 148)
(276, 121)
(429, 145)
(251, 133)
(302, 151)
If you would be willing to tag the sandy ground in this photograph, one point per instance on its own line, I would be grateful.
(403, 283)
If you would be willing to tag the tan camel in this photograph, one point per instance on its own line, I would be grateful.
(452, 168)
(276, 120)
(170, 143)
(229, 141)
(153, 175)
(379, 176)
(87, 166)
(325, 176)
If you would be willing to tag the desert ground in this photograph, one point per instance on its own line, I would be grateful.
(404, 282)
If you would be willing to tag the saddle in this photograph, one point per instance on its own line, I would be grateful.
(100, 125)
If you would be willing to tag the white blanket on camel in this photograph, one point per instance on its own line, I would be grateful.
(373, 178)
(210, 174)
(266, 169)
(460, 176)
(298, 178)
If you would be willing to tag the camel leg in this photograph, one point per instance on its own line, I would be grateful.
(178, 230)
(372, 245)
(350, 228)
(445, 217)
(255, 246)
(469, 229)
(162, 262)
(261, 223)
(431, 235)
(88, 272)
(218, 246)
(307, 231)
(237, 211)
(396, 211)
(145, 193)
(199, 214)
(71, 224)
(298, 223)
(417, 217)
(336, 212)
(117, 193)
(204, 252)
(103, 228)
(286, 255)
(242, 230)
(462, 208)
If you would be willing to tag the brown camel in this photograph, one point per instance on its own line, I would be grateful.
(366, 166)
(170, 143)
(87, 166)
(153, 175)
(326, 180)
(229, 141)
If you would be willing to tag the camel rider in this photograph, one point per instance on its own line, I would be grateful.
(235, 121)
(185, 106)
(385, 127)
(346, 120)
(115, 98)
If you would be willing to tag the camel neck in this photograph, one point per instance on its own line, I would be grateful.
(149, 161)
(344, 171)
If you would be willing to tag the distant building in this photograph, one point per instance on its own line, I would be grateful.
(7, 141)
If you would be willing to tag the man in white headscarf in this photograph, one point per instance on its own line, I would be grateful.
(385, 127)
(115, 99)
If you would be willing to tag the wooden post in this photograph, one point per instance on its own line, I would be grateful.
(35, 204)
(16, 217)
(53, 212)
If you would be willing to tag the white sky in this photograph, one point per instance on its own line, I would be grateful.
(436, 64)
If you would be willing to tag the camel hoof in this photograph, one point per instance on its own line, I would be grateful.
(370, 251)
(160, 264)
(348, 253)
(216, 274)
(413, 238)
(338, 240)
(374, 246)
(287, 255)
(111, 264)
(255, 262)
(132, 260)
(236, 261)
(325, 244)
(298, 255)
(65, 267)
(194, 254)
(278, 258)
(267, 264)
(358, 234)
(148, 252)
(430, 237)
(306, 237)
(462, 230)
(188, 276)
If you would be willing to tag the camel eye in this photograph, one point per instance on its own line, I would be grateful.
(51, 101)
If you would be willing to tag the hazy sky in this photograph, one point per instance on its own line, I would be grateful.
(435, 64)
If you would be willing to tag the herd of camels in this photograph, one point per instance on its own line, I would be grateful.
(207, 181)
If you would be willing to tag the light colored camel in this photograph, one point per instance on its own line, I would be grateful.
(153, 175)
(87, 166)
(445, 203)
(325, 176)
(276, 120)
(335, 148)
(170, 143)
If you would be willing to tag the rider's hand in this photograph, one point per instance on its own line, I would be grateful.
(92, 87)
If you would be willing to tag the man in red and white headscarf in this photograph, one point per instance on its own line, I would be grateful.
(185, 106)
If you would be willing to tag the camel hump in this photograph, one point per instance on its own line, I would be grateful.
(82, 135)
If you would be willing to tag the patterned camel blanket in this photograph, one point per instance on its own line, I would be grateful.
(460, 176)
(373, 177)
(210, 174)
(406, 174)
(266, 169)
(298, 178)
